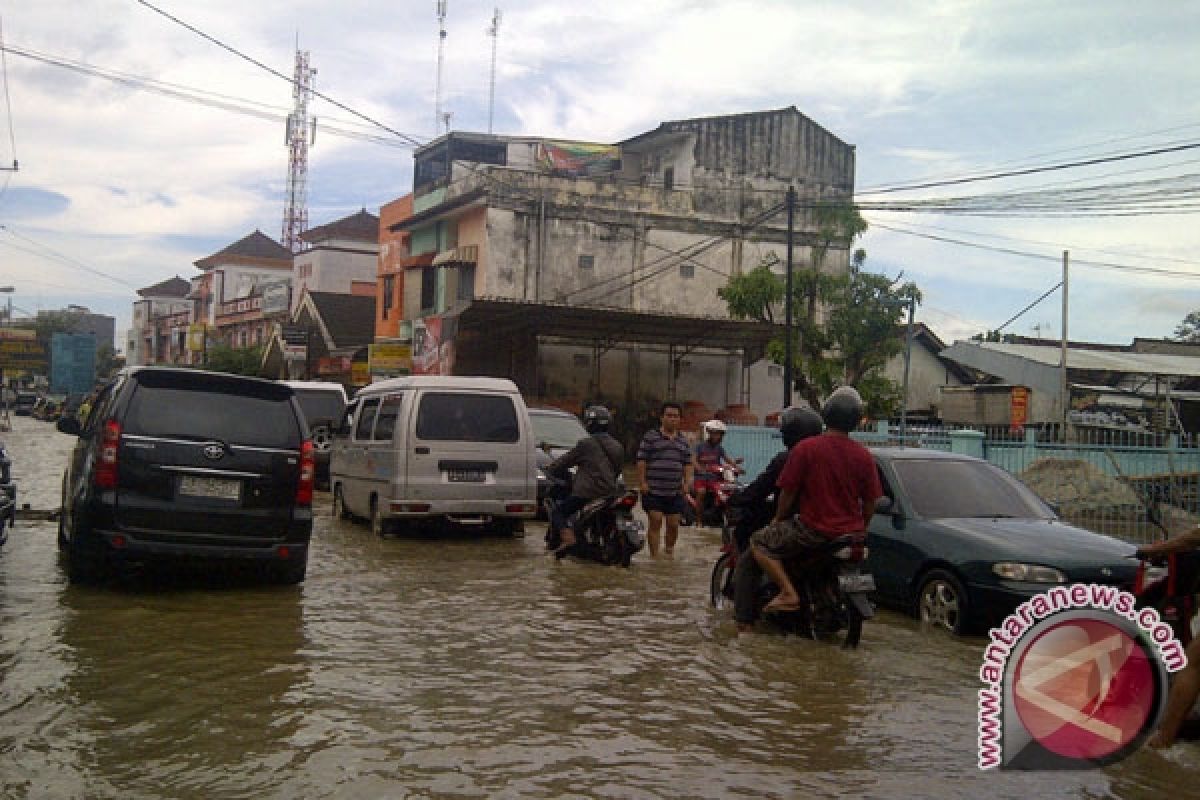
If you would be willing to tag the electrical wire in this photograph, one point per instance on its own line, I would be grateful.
(1029, 307)
(228, 48)
(51, 253)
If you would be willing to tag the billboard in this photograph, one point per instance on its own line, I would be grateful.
(72, 363)
(433, 345)
(577, 160)
(275, 297)
(22, 354)
(390, 360)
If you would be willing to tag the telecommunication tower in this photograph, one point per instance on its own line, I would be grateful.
(493, 32)
(437, 90)
(301, 132)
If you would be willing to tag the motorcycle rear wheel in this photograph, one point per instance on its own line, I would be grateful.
(720, 589)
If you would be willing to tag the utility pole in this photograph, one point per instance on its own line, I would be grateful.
(493, 32)
(908, 343)
(1065, 397)
(787, 302)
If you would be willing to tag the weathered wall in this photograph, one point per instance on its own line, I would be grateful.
(927, 376)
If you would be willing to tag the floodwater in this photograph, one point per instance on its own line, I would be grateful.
(471, 668)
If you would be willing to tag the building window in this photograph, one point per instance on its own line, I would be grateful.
(466, 283)
(428, 287)
(587, 262)
(687, 270)
(669, 178)
(389, 292)
(774, 371)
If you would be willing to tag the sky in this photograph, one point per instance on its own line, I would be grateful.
(120, 186)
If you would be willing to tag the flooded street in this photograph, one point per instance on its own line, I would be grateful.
(471, 668)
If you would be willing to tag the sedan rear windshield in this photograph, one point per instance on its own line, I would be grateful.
(261, 420)
(459, 417)
(940, 489)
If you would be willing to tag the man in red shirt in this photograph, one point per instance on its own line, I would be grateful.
(834, 480)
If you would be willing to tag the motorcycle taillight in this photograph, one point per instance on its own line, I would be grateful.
(628, 501)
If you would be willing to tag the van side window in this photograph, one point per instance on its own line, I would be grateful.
(385, 422)
(346, 424)
(366, 418)
(461, 417)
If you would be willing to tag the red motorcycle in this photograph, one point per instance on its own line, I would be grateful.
(716, 511)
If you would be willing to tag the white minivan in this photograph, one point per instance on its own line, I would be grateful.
(436, 447)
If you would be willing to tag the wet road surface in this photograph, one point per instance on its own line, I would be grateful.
(471, 668)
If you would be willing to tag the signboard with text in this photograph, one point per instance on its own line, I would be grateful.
(390, 359)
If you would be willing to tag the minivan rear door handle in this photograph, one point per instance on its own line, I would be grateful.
(422, 451)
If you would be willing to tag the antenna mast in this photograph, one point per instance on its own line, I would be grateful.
(493, 32)
(297, 139)
(437, 92)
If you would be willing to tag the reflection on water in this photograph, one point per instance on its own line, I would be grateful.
(468, 668)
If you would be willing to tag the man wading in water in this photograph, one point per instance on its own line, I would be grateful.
(664, 466)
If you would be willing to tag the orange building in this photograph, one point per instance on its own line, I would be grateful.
(393, 257)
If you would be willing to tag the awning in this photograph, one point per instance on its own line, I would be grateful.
(497, 319)
(466, 254)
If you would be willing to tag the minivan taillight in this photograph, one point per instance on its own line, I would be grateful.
(106, 464)
(308, 472)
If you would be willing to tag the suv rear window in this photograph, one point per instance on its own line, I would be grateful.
(232, 412)
(459, 417)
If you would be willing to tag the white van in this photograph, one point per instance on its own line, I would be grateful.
(428, 447)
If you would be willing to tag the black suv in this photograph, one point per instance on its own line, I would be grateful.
(177, 463)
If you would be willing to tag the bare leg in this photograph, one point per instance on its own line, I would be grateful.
(787, 599)
(655, 519)
(1184, 690)
(672, 533)
(700, 506)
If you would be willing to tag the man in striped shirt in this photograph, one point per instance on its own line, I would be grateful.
(664, 465)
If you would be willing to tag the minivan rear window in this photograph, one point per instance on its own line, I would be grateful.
(320, 405)
(460, 417)
(261, 421)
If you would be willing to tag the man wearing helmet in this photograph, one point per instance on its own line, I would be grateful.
(711, 459)
(834, 482)
(755, 500)
(597, 459)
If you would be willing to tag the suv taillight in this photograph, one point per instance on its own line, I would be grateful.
(106, 464)
(308, 472)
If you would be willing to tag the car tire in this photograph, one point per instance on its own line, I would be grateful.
(290, 572)
(339, 504)
(942, 602)
(378, 526)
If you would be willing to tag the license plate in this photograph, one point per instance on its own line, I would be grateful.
(220, 488)
(861, 582)
(466, 476)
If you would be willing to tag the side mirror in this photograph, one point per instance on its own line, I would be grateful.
(68, 424)
(887, 507)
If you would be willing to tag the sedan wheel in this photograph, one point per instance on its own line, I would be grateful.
(942, 602)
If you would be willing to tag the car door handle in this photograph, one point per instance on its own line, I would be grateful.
(422, 451)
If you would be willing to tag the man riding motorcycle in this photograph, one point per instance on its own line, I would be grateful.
(834, 482)
(757, 507)
(597, 459)
(711, 461)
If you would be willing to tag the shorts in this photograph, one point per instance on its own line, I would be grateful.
(667, 504)
(788, 539)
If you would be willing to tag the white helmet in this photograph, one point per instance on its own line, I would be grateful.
(714, 426)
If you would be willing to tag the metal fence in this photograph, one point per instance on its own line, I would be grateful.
(1100, 479)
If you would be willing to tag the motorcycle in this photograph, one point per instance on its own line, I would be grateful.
(716, 512)
(832, 586)
(605, 530)
(8, 496)
(1170, 585)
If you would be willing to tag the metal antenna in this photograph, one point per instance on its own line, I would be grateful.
(295, 212)
(437, 91)
(493, 32)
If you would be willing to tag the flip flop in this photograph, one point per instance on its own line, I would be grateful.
(770, 608)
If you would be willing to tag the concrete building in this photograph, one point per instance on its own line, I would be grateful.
(341, 257)
(590, 270)
(158, 333)
(928, 373)
(228, 294)
(394, 253)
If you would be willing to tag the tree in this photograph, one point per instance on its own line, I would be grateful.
(857, 339)
(1189, 329)
(107, 361)
(242, 361)
(48, 323)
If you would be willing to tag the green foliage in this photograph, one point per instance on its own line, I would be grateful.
(48, 323)
(863, 310)
(107, 361)
(241, 361)
(1189, 329)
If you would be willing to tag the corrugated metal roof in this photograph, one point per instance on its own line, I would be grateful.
(1101, 360)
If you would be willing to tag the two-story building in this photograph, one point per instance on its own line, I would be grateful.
(228, 294)
(158, 333)
(339, 258)
(590, 270)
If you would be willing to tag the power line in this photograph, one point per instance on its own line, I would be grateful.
(406, 137)
(60, 257)
(1021, 313)
(1035, 170)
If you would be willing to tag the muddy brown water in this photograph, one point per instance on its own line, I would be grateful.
(471, 668)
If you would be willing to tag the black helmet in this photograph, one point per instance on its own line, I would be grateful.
(596, 419)
(844, 409)
(799, 422)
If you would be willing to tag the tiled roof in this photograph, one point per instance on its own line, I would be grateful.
(256, 247)
(363, 226)
(349, 318)
(173, 287)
